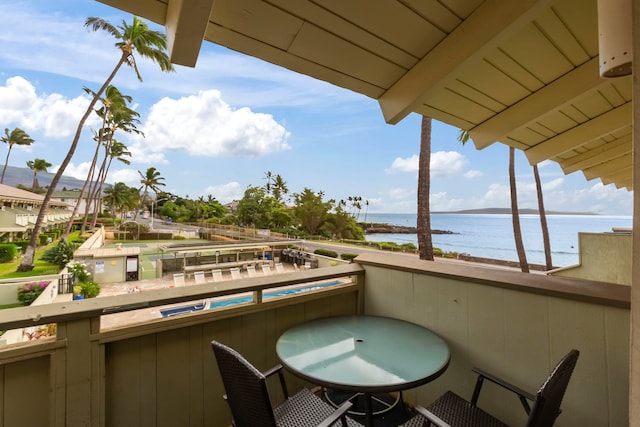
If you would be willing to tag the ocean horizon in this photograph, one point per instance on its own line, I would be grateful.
(491, 235)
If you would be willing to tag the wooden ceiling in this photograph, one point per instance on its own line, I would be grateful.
(523, 73)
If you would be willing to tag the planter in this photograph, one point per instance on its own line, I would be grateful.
(78, 297)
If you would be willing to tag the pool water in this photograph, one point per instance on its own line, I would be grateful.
(242, 300)
(272, 294)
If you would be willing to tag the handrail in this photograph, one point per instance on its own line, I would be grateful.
(87, 308)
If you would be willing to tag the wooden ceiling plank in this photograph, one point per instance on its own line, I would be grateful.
(596, 127)
(186, 25)
(621, 176)
(609, 168)
(597, 156)
(343, 27)
(153, 10)
(250, 46)
(551, 97)
(492, 22)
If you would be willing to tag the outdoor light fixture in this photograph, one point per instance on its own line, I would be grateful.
(614, 37)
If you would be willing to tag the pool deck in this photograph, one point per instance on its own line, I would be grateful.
(112, 321)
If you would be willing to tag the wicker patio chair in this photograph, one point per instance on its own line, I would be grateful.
(452, 410)
(248, 397)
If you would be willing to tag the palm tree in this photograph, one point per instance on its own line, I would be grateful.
(515, 214)
(16, 137)
(136, 37)
(268, 176)
(279, 188)
(425, 243)
(151, 179)
(37, 165)
(543, 220)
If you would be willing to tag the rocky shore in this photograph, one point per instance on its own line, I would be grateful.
(396, 229)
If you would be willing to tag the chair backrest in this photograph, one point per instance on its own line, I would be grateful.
(279, 267)
(266, 269)
(178, 279)
(199, 277)
(235, 273)
(546, 407)
(251, 271)
(246, 389)
(216, 274)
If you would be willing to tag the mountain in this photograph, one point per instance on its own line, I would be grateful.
(507, 211)
(14, 176)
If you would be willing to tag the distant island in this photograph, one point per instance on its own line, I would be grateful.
(507, 211)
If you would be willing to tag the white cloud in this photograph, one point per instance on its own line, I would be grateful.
(79, 172)
(443, 163)
(128, 176)
(225, 193)
(53, 114)
(205, 125)
(473, 174)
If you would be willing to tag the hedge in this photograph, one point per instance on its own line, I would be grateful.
(8, 252)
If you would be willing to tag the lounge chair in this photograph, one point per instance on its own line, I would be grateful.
(217, 275)
(199, 277)
(279, 267)
(235, 273)
(266, 270)
(178, 279)
(251, 271)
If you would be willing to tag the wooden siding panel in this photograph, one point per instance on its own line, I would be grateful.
(26, 393)
(617, 323)
(125, 385)
(173, 378)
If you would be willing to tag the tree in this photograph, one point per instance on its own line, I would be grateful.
(515, 214)
(151, 179)
(37, 166)
(15, 137)
(279, 188)
(121, 198)
(543, 220)
(425, 242)
(136, 37)
(310, 210)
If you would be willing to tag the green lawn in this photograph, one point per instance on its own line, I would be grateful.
(8, 270)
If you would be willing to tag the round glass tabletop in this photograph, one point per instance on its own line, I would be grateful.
(363, 353)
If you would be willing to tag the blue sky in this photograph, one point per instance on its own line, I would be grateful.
(217, 128)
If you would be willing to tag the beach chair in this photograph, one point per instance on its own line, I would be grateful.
(279, 267)
(217, 275)
(199, 277)
(235, 273)
(266, 269)
(251, 271)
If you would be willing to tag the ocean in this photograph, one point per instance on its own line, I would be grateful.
(491, 236)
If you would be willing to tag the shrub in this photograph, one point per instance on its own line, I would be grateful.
(8, 252)
(60, 254)
(177, 237)
(89, 289)
(348, 257)
(28, 292)
(326, 252)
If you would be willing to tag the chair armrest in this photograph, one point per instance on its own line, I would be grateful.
(340, 412)
(278, 370)
(522, 394)
(431, 417)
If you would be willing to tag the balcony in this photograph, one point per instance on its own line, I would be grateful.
(163, 373)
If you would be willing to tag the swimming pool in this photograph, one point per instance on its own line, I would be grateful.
(272, 294)
(241, 300)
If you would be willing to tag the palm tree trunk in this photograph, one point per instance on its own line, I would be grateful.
(425, 244)
(543, 220)
(515, 215)
(67, 230)
(6, 162)
(29, 256)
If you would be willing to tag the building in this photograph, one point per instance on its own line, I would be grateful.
(19, 211)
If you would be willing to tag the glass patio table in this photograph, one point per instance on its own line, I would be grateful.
(365, 354)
